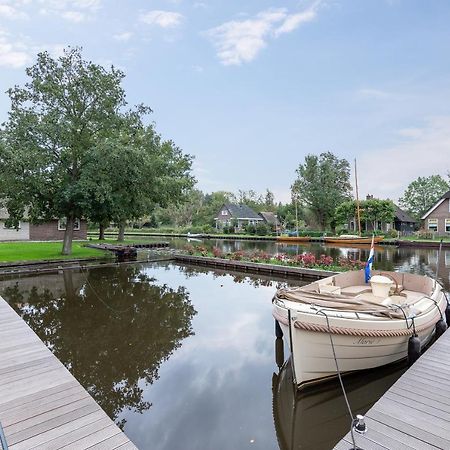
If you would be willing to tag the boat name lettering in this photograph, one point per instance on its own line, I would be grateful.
(365, 341)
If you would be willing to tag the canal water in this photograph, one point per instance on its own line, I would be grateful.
(185, 358)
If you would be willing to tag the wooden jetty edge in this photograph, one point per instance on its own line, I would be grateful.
(415, 412)
(41, 404)
(256, 268)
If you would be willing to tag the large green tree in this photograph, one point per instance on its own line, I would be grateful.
(132, 172)
(62, 112)
(323, 183)
(422, 193)
(68, 149)
(372, 210)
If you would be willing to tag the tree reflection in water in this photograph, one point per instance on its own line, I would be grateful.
(112, 332)
(240, 277)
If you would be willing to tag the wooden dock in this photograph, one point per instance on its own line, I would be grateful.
(256, 268)
(42, 406)
(415, 412)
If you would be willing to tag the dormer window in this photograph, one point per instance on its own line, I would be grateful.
(224, 212)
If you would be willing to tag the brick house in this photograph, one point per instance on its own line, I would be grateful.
(52, 230)
(239, 215)
(403, 222)
(437, 218)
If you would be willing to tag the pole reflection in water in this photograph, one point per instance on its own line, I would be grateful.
(314, 418)
(111, 327)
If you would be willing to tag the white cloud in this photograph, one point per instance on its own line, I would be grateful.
(11, 13)
(369, 93)
(13, 54)
(423, 151)
(293, 21)
(123, 37)
(18, 52)
(164, 19)
(73, 16)
(239, 41)
(72, 10)
(89, 5)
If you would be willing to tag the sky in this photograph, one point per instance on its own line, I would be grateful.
(250, 87)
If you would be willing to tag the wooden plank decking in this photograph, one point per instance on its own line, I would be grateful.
(415, 412)
(41, 404)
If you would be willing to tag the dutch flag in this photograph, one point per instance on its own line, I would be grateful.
(370, 261)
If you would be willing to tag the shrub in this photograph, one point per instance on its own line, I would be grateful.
(238, 255)
(392, 234)
(424, 234)
(207, 229)
(281, 257)
(351, 264)
(250, 229)
(202, 250)
(189, 249)
(217, 252)
(325, 260)
(308, 259)
(262, 229)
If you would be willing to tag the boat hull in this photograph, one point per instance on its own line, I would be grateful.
(313, 358)
(362, 240)
(293, 238)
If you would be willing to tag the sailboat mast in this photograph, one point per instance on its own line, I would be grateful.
(357, 201)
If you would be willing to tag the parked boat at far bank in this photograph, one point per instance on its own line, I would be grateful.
(352, 239)
(293, 238)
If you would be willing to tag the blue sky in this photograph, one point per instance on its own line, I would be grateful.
(250, 87)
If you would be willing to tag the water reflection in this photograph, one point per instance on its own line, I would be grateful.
(240, 277)
(404, 259)
(117, 329)
(111, 327)
(317, 418)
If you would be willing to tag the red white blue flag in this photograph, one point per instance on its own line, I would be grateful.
(370, 260)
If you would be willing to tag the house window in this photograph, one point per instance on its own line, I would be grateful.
(11, 227)
(447, 225)
(62, 223)
(224, 212)
(432, 224)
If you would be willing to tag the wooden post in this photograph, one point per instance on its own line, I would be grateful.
(357, 201)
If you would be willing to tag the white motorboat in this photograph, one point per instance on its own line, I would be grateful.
(361, 325)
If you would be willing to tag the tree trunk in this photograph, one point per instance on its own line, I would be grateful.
(121, 235)
(101, 234)
(68, 236)
(68, 284)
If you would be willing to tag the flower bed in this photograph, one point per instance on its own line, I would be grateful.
(307, 260)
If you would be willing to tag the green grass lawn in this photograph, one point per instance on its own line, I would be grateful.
(417, 239)
(39, 251)
(35, 251)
